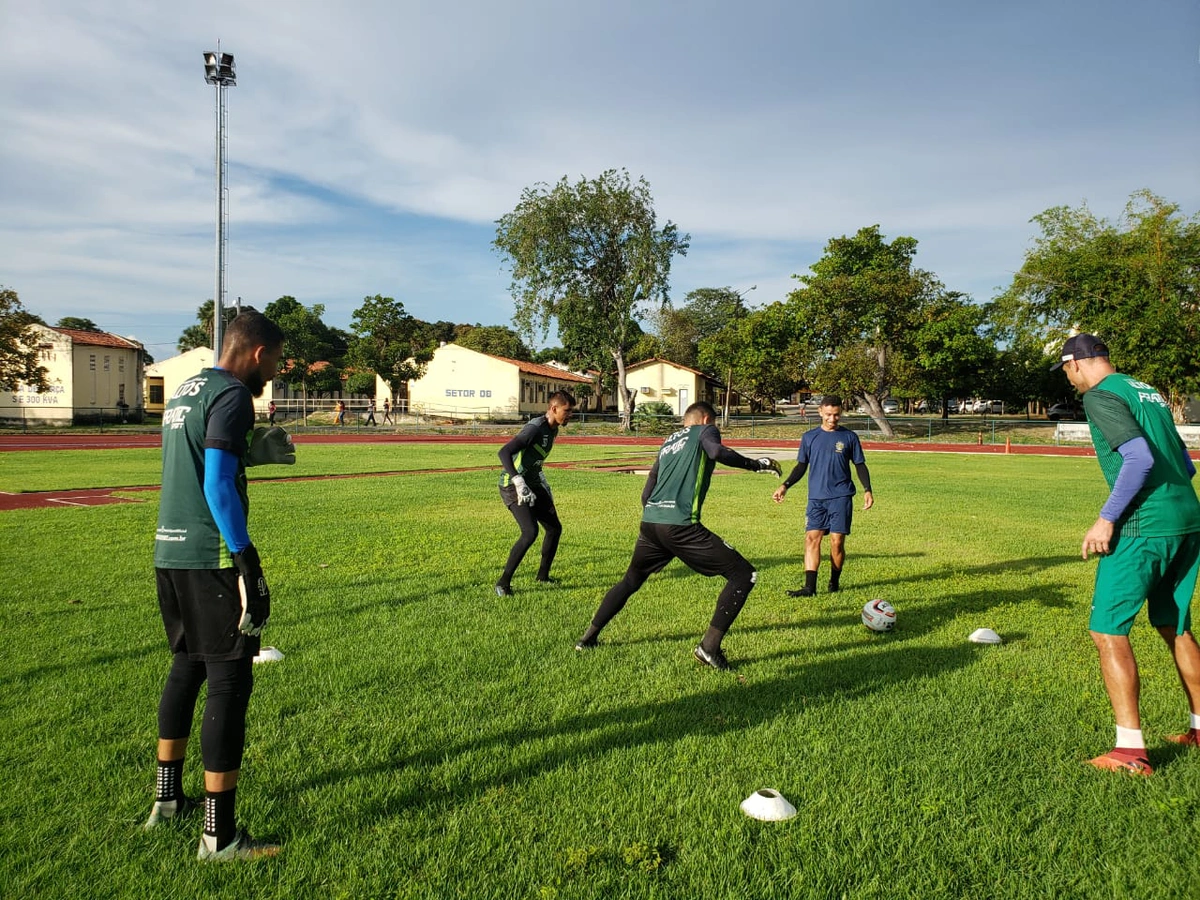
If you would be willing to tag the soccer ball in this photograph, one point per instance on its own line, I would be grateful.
(878, 615)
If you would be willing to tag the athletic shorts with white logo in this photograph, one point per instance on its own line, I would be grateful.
(832, 515)
(1157, 571)
(201, 609)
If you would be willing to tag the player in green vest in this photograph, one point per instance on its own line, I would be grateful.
(1147, 537)
(212, 594)
(671, 504)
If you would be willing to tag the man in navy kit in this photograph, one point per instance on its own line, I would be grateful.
(212, 594)
(671, 503)
(827, 453)
(524, 490)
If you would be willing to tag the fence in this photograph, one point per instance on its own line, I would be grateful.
(32, 418)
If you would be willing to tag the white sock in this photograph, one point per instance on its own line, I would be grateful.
(1130, 739)
(1195, 717)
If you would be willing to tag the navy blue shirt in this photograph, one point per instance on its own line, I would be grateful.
(829, 455)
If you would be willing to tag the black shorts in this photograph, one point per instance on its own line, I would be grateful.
(201, 609)
(693, 545)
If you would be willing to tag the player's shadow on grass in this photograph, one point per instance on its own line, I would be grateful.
(1031, 565)
(728, 707)
(74, 664)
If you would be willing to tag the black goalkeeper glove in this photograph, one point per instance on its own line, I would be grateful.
(256, 596)
(766, 464)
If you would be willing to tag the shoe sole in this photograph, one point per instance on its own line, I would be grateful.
(1108, 763)
(1186, 740)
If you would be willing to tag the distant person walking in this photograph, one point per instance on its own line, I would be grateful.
(1147, 537)
(525, 491)
(671, 502)
(341, 413)
(370, 413)
(827, 453)
(271, 413)
(387, 411)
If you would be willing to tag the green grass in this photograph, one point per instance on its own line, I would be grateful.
(423, 739)
(57, 470)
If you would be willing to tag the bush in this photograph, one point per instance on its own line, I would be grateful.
(654, 417)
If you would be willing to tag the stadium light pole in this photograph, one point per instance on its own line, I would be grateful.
(220, 72)
(729, 379)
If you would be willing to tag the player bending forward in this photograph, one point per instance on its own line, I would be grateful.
(671, 502)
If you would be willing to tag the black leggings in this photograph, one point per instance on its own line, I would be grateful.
(223, 732)
(697, 548)
(528, 517)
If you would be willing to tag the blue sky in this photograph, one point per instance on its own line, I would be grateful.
(372, 145)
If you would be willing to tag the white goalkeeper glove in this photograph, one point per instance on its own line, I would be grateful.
(525, 495)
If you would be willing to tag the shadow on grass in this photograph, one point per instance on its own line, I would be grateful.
(74, 664)
(726, 708)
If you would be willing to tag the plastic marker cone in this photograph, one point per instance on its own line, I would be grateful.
(984, 636)
(768, 805)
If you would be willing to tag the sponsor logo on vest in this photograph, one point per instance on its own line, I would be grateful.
(173, 417)
(189, 388)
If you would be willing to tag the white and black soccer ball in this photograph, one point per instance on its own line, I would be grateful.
(879, 615)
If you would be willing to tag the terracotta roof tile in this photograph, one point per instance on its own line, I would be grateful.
(97, 338)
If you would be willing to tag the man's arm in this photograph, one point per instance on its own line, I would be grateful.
(710, 440)
(523, 439)
(224, 502)
(651, 481)
(1119, 428)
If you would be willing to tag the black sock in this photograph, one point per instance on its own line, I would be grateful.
(590, 635)
(835, 576)
(169, 783)
(810, 580)
(219, 819)
(711, 641)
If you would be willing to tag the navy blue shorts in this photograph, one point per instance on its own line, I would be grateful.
(830, 516)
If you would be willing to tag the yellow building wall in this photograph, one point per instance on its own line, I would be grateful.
(52, 407)
(666, 383)
(105, 377)
(463, 383)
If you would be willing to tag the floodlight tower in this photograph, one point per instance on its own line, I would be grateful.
(220, 72)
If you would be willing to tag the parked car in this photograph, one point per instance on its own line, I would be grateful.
(890, 407)
(1068, 411)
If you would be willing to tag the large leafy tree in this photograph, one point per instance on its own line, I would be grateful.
(76, 323)
(1135, 282)
(591, 256)
(495, 340)
(857, 313)
(755, 352)
(389, 341)
(948, 355)
(307, 341)
(18, 345)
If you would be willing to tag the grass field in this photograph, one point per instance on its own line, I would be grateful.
(424, 739)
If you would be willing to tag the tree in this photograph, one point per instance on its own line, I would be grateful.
(756, 353)
(389, 341)
(200, 333)
(590, 256)
(77, 324)
(495, 340)
(19, 346)
(858, 311)
(1135, 282)
(948, 355)
(306, 343)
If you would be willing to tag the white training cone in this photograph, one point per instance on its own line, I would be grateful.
(268, 654)
(984, 636)
(768, 805)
